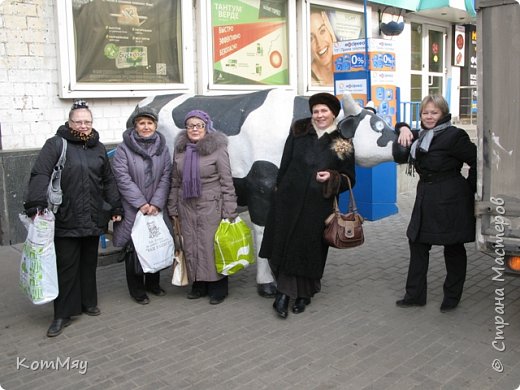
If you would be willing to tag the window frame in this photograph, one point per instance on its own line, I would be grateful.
(305, 12)
(69, 87)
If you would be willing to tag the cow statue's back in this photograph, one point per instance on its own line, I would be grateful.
(257, 125)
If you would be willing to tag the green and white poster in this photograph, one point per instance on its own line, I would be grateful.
(250, 42)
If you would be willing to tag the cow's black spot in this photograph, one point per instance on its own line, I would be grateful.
(157, 103)
(256, 189)
(228, 112)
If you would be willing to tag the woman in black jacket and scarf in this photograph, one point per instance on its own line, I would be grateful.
(90, 200)
(314, 160)
(443, 213)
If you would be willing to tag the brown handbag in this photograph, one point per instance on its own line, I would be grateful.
(344, 230)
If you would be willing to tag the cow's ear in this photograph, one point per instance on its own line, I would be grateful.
(347, 127)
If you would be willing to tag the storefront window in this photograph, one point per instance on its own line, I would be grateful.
(122, 45)
(131, 41)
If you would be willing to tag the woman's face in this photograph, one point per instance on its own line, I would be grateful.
(321, 41)
(81, 121)
(430, 115)
(145, 126)
(196, 129)
(322, 116)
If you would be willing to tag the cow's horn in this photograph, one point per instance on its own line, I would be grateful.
(350, 107)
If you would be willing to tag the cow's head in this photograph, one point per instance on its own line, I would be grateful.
(374, 140)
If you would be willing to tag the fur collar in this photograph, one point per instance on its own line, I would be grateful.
(341, 146)
(209, 144)
(304, 126)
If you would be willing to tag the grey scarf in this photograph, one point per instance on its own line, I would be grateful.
(426, 136)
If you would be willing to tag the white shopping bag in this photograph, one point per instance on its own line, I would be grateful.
(153, 242)
(38, 271)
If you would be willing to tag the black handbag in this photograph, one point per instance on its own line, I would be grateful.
(344, 230)
(130, 257)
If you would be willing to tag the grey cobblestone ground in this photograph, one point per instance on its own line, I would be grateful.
(352, 336)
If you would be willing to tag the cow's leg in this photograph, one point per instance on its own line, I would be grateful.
(259, 185)
(265, 283)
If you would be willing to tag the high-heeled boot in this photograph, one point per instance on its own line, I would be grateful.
(281, 305)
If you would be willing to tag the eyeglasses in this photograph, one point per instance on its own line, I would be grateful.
(79, 123)
(197, 126)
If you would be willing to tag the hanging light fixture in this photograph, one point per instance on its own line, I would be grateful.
(393, 27)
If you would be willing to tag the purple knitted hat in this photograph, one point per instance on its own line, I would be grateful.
(203, 116)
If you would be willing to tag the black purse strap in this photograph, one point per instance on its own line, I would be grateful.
(352, 207)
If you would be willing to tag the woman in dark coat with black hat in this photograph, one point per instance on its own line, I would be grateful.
(443, 213)
(314, 159)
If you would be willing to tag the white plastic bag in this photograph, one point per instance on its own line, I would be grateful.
(153, 242)
(38, 271)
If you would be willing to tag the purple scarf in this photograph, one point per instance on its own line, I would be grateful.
(191, 184)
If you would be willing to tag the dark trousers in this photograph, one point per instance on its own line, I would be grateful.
(216, 289)
(455, 260)
(76, 259)
(139, 284)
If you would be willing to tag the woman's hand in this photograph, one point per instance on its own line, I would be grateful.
(322, 176)
(153, 210)
(149, 209)
(145, 208)
(116, 218)
(405, 136)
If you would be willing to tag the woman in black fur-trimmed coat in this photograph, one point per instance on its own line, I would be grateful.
(314, 157)
(443, 213)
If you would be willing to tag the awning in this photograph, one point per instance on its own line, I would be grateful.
(450, 10)
(410, 5)
(466, 5)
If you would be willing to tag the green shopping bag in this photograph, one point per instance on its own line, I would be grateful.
(234, 248)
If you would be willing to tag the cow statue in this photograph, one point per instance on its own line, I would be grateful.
(257, 125)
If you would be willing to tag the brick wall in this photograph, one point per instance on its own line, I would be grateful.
(30, 109)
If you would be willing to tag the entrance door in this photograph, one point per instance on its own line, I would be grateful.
(428, 49)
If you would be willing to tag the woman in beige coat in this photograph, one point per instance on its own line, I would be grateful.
(201, 195)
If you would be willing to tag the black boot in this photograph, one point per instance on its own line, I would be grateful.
(300, 304)
(281, 305)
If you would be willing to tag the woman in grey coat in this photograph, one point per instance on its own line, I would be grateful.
(142, 167)
(201, 195)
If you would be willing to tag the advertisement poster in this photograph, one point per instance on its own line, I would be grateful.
(468, 74)
(350, 62)
(459, 45)
(328, 26)
(250, 42)
(127, 41)
(384, 95)
(350, 55)
(354, 82)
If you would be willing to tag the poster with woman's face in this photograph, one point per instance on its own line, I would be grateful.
(329, 25)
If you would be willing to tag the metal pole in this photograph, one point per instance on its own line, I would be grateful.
(367, 59)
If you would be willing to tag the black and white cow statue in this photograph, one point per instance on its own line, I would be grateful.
(257, 125)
